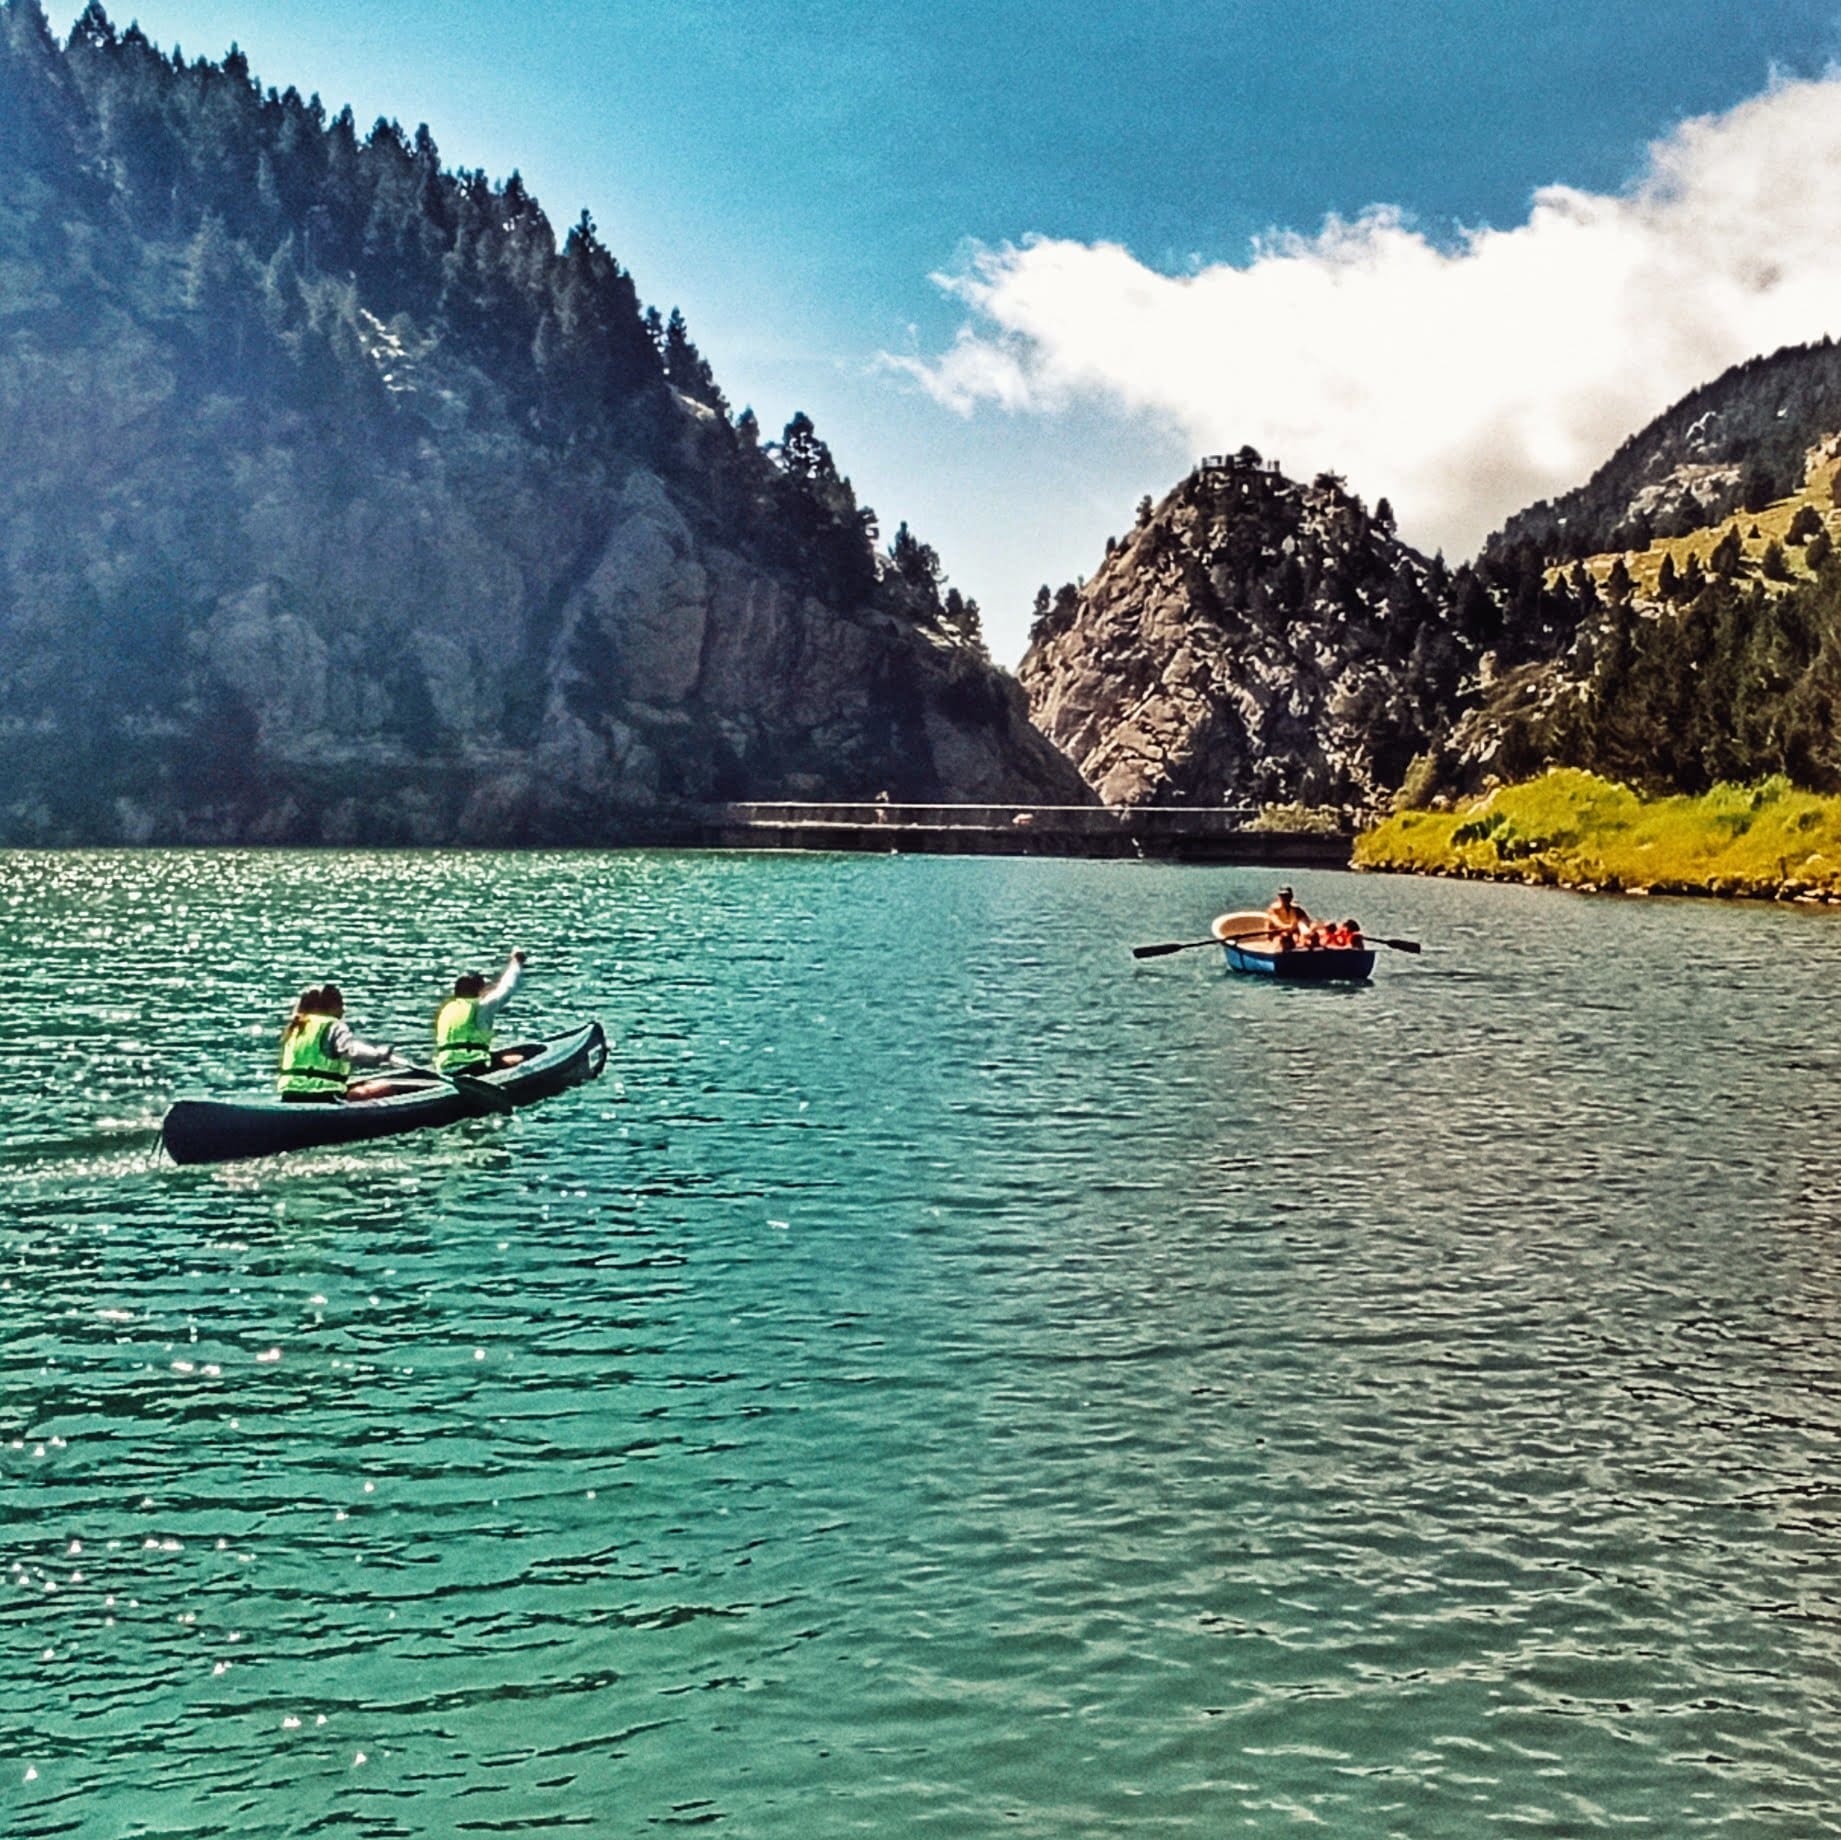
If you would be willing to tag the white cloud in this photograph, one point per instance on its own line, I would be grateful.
(1461, 382)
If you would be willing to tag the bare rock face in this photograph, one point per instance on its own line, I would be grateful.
(1255, 640)
(582, 699)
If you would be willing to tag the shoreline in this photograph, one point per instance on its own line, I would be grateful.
(1766, 841)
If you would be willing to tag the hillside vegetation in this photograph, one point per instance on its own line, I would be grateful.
(1711, 656)
(1574, 829)
(1733, 445)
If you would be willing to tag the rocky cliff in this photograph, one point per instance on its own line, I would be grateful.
(342, 502)
(1258, 639)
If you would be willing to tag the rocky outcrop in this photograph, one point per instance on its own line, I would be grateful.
(1255, 639)
(343, 504)
(1674, 622)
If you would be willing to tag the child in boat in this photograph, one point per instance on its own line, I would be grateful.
(1350, 934)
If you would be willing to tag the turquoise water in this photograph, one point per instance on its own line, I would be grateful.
(947, 1378)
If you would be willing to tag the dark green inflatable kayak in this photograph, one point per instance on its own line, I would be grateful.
(221, 1130)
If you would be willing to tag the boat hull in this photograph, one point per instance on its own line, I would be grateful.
(223, 1131)
(1303, 964)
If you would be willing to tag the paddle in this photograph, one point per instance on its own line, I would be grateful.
(1189, 945)
(1182, 945)
(469, 1086)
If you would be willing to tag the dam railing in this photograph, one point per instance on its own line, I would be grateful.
(1178, 833)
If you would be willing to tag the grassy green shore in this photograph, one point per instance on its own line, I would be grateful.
(1573, 830)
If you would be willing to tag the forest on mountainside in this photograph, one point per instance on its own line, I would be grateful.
(345, 499)
(1734, 444)
(1722, 679)
(1256, 638)
(1716, 654)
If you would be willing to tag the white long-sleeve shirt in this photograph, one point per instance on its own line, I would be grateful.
(343, 1045)
(498, 993)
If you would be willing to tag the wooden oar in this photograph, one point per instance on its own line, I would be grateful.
(1189, 945)
(1181, 945)
(469, 1086)
(1252, 926)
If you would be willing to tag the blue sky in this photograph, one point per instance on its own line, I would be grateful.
(1127, 202)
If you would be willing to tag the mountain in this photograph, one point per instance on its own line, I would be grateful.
(1258, 639)
(1735, 444)
(1674, 622)
(342, 502)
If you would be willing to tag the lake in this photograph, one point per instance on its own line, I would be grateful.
(947, 1378)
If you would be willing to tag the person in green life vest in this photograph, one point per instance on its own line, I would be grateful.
(463, 1024)
(319, 1050)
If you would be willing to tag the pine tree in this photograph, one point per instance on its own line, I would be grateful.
(917, 563)
(961, 618)
(1040, 614)
(802, 454)
(686, 367)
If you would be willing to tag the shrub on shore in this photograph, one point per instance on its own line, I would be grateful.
(1318, 820)
(1572, 829)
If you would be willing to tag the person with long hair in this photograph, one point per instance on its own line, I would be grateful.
(319, 1050)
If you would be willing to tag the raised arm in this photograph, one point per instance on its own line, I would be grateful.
(498, 993)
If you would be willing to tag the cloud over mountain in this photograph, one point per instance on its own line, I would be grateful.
(1462, 379)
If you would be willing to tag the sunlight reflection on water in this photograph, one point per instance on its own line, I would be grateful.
(946, 1376)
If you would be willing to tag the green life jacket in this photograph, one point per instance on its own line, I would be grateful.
(462, 1041)
(307, 1065)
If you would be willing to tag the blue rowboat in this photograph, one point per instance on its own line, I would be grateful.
(222, 1130)
(1302, 964)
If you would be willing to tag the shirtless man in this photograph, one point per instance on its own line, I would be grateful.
(1288, 920)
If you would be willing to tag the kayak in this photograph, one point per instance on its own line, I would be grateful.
(222, 1130)
(1247, 948)
(1302, 964)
